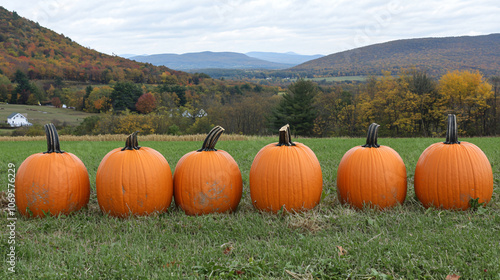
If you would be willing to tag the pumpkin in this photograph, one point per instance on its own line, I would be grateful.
(373, 175)
(54, 182)
(285, 175)
(449, 174)
(133, 180)
(207, 180)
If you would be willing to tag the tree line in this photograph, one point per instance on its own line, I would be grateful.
(411, 104)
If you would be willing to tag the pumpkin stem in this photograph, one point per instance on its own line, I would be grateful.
(371, 138)
(211, 139)
(285, 136)
(451, 130)
(52, 139)
(131, 143)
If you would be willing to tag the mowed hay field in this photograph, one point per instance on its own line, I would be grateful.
(330, 242)
(42, 114)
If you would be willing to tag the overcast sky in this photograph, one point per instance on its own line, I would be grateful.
(305, 27)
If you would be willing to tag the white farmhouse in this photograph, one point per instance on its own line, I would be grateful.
(17, 119)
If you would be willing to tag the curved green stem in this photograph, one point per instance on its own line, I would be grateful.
(371, 138)
(285, 136)
(131, 143)
(452, 130)
(52, 139)
(211, 139)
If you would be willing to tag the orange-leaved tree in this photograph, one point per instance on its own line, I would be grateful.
(146, 103)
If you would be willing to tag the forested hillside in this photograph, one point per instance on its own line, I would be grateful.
(434, 55)
(44, 54)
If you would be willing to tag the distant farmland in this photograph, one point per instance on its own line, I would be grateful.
(43, 114)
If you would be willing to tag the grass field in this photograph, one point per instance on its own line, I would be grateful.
(330, 242)
(338, 79)
(41, 114)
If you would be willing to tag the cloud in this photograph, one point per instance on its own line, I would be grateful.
(308, 27)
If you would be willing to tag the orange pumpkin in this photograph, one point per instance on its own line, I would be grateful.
(133, 181)
(285, 175)
(207, 180)
(54, 182)
(371, 175)
(449, 174)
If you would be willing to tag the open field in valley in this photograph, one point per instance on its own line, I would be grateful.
(42, 114)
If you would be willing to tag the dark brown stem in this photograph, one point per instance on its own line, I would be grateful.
(211, 139)
(452, 130)
(131, 143)
(52, 139)
(285, 136)
(371, 138)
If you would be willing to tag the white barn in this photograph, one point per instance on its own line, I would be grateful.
(17, 119)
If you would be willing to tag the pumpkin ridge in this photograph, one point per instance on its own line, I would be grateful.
(473, 170)
(68, 181)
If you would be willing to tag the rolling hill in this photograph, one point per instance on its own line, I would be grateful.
(45, 54)
(435, 55)
(204, 60)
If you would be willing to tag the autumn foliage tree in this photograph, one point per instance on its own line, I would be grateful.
(466, 94)
(56, 102)
(146, 103)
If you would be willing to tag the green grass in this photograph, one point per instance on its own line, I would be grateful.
(43, 114)
(407, 242)
(338, 79)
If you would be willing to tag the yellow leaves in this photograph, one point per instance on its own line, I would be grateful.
(407, 105)
(134, 122)
(99, 99)
(464, 87)
(466, 94)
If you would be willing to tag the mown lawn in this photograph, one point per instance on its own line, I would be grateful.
(330, 242)
(42, 114)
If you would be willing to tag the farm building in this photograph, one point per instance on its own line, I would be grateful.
(17, 119)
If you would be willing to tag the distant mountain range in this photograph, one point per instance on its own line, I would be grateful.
(286, 58)
(224, 60)
(435, 55)
(44, 54)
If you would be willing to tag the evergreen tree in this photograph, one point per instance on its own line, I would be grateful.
(88, 91)
(125, 96)
(23, 89)
(297, 108)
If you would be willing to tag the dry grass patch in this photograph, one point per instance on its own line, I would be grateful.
(310, 221)
(121, 137)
